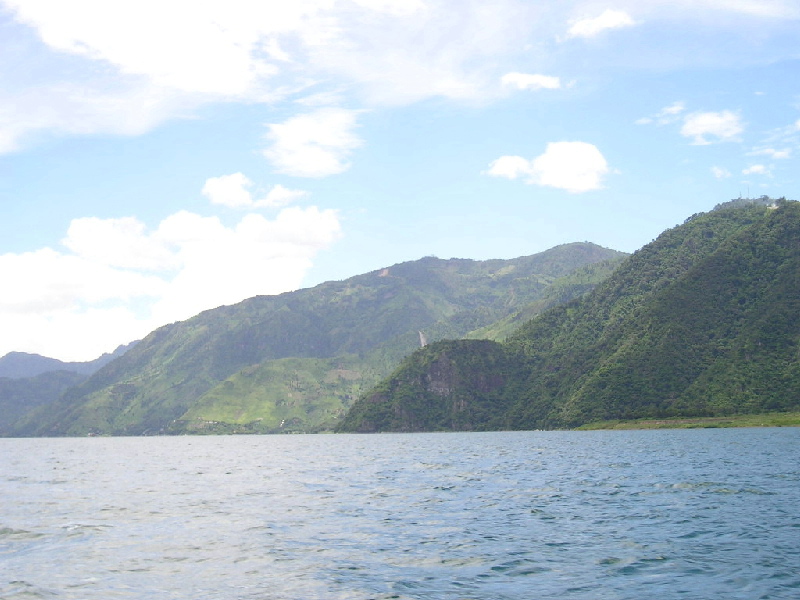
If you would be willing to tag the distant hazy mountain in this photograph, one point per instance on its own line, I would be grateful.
(19, 397)
(704, 321)
(30, 381)
(297, 360)
(17, 365)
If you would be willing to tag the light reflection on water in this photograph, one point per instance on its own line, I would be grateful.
(589, 515)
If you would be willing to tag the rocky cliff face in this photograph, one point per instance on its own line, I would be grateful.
(437, 389)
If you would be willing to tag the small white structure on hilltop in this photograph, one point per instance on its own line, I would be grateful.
(423, 341)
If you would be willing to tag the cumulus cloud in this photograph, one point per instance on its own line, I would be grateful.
(510, 167)
(48, 280)
(529, 81)
(229, 190)
(69, 307)
(233, 191)
(115, 279)
(222, 265)
(708, 127)
(572, 166)
(70, 334)
(122, 243)
(314, 144)
(609, 19)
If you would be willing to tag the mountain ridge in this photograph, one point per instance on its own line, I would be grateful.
(704, 320)
(370, 320)
(22, 365)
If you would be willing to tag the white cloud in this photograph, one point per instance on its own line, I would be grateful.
(123, 108)
(772, 153)
(756, 170)
(780, 143)
(229, 190)
(116, 280)
(510, 167)
(47, 280)
(71, 334)
(66, 306)
(280, 196)
(118, 243)
(222, 265)
(572, 166)
(667, 115)
(703, 127)
(394, 7)
(725, 126)
(675, 108)
(233, 191)
(125, 67)
(314, 144)
(776, 9)
(192, 47)
(720, 172)
(443, 49)
(526, 81)
(609, 19)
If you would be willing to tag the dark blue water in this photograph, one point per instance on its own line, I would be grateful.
(698, 514)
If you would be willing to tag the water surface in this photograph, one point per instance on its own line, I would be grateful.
(698, 514)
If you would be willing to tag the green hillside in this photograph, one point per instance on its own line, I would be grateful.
(19, 397)
(703, 321)
(288, 394)
(296, 361)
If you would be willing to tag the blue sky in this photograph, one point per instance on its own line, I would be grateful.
(162, 158)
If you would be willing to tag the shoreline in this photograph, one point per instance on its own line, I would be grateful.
(789, 419)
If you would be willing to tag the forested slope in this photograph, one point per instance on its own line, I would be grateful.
(705, 320)
(296, 361)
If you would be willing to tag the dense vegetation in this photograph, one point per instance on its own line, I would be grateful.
(21, 396)
(295, 362)
(703, 321)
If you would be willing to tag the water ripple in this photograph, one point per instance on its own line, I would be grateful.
(575, 515)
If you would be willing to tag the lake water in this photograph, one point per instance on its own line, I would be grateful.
(697, 514)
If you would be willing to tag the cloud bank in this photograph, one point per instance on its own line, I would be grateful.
(116, 280)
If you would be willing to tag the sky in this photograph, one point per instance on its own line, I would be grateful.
(161, 158)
